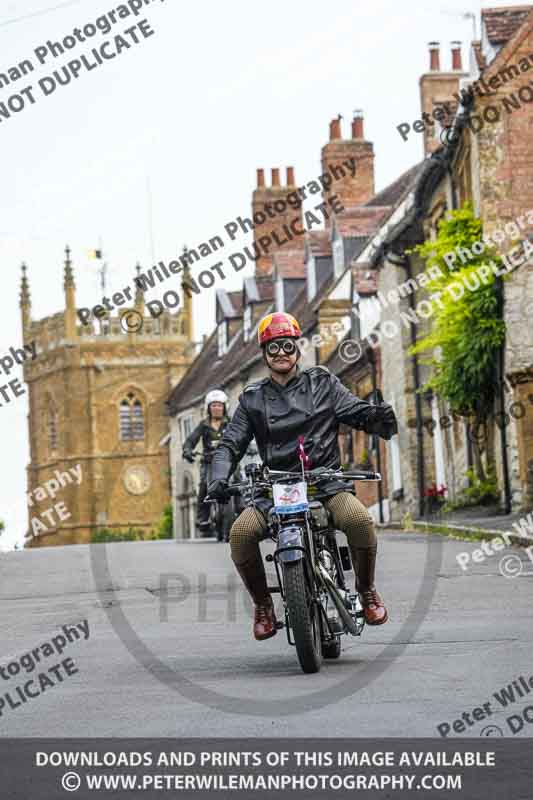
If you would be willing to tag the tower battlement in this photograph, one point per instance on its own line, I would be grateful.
(97, 395)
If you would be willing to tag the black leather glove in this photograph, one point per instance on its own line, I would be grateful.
(389, 424)
(188, 456)
(218, 490)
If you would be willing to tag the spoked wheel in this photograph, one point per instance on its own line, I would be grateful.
(215, 521)
(303, 617)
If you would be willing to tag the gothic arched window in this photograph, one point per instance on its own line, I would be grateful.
(52, 426)
(131, 419)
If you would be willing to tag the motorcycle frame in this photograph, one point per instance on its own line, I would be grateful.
(314, 570)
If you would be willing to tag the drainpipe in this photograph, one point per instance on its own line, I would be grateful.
(455, 205)
(500, 367)
(405, 262)
(372, 358)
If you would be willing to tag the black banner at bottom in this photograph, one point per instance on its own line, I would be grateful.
(46, 769)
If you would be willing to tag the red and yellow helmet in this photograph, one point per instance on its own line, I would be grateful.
(277, 325)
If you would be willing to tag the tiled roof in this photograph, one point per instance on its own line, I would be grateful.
(360, 221)
(318, 243)
(208, 370)
(230, 303)
(289, 264)
(357, 223)
(502, 23)
(258, 290)
(390, 195)
(236, 301)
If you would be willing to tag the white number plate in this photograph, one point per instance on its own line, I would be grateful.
(290, 498)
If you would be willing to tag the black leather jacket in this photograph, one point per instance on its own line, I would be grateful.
(210, 437)
(313, 405)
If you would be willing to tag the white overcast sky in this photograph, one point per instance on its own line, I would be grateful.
(219, 90)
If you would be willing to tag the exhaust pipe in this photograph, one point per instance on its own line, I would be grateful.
(334, 593)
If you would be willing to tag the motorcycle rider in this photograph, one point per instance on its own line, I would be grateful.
(210, 431)
(277, 410)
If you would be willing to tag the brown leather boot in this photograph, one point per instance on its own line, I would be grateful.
(254, 578)
(373, 606)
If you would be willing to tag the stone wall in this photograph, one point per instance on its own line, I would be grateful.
(125, 483)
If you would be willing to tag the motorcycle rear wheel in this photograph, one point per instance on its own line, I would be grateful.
(303, 618)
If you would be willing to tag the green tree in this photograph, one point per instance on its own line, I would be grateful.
(165, 528)
(466, 331)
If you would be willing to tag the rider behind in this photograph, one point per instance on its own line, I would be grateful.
(210, 431)
(277, 410)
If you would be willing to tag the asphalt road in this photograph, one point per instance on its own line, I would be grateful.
(187, 665)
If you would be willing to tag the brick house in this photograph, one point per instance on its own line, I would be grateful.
(314, 282)
(489, 161)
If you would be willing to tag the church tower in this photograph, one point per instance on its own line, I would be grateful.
(97, 416)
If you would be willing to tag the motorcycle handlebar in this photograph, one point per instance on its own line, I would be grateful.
(362, 475)
(320, 472)
(231, 491)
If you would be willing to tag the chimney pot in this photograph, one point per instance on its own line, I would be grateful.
(275, 176)
(357, 125)
(456, 56)
(260, 178)
(335, 129)
(290, 176)
(434, 56)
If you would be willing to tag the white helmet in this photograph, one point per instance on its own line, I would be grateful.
(215, 396)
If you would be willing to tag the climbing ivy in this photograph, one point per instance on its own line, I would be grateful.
(467, 332)
(467, 329)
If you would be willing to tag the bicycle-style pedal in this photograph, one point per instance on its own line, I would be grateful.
(279, 624)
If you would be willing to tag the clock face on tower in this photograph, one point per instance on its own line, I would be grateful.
(137, 479)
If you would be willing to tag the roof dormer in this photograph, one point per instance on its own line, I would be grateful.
(229, 316)
(289, 277)
(257, 297)
(318, 261)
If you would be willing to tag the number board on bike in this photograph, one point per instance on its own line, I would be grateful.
(290, 498)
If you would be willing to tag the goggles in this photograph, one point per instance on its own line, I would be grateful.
(287, 346)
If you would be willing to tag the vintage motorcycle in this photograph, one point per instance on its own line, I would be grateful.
(310, 566)
(221, 515)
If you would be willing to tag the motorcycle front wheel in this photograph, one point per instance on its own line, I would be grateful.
(303, 617)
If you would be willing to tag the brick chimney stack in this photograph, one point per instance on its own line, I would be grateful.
(335, 128)
(456, 56)
(437, 87)
(351, 190)
(271, 212)
(357, 125)
(434, 57)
